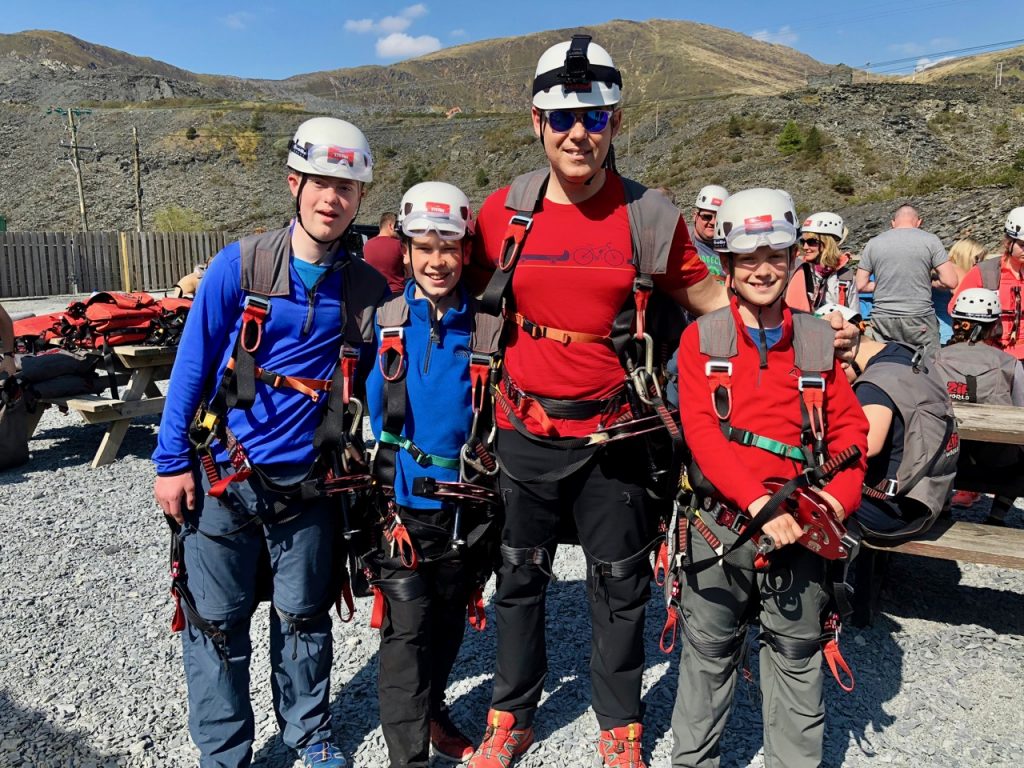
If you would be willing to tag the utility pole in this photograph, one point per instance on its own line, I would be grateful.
(999, 75)
(138, 179)
(71, 112)
(657, 112)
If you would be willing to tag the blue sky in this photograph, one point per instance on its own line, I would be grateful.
(276, 39)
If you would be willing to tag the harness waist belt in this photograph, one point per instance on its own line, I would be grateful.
(562, 409)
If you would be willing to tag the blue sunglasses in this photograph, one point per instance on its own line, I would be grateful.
(594, 120)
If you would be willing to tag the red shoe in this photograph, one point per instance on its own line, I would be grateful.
(502, 743)
(964, 498)
(447, 740)
(620, 747)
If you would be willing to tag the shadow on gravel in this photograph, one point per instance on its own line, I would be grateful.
(76, 443)
(930, 589)
(23, 730)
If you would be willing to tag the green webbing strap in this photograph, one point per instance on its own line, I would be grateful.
(419, 456)
(746, 437)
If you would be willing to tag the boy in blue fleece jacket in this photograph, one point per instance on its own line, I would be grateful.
(224, 534)
(419, 400)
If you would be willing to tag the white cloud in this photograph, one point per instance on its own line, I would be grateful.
(908, 49)
(238, 20)
(362, 26)
(388, 24)
(924, 62)
(393, 24)
(401, 46)
(783, 36)
(457, 33)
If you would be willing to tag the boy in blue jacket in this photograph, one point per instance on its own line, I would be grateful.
(420, 398)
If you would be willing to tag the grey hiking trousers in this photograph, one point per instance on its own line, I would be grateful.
(919, 331)
(788, 600)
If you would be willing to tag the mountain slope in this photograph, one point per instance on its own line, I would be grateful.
(659, 60)
(978, 70)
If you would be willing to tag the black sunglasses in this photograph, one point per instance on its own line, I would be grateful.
(810, 241)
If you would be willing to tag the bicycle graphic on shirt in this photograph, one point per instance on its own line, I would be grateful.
(607, 254)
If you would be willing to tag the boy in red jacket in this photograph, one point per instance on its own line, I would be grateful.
(762, 397)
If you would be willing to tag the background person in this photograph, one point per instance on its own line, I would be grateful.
(705, 215)
(963, 255)
(384, 253)
(976, 371)
(824, 274)
(1004, 275)
(6, 343)
(902, 260)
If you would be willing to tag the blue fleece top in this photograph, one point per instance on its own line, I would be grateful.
(438, 412)
(301, 337)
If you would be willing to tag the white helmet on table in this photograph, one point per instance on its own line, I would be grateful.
(826, 223)
(711, 197)
(755, 217)
(435, 206)
(978, 305)
(576, 74)
(327, 146)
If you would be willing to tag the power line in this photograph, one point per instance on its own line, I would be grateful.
(972, 49)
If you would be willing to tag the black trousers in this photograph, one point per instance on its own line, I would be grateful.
(606, 500)
(419, 641)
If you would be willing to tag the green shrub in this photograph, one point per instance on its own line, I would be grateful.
(482, 180)
(842, 184)
(175, 218)
(735, 129)
(812, 145)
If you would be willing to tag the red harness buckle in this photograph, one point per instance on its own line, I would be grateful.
(719, 373)
(349, 361)
(379, 606)
(392, 340)
(518, 226)
(254, 314)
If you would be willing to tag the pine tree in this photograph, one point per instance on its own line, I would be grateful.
(735, 129)
(790, 141)
(812, 145)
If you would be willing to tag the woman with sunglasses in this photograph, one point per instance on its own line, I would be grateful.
(823, 275)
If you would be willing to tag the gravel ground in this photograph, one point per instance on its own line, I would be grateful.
(92, 676)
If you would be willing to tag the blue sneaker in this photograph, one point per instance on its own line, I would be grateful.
(324, 755)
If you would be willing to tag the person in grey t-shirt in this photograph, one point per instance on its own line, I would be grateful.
(902, 261)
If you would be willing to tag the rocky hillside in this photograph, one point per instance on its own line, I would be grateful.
(213, 148)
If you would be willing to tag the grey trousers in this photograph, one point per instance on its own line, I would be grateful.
(918, 331)
(788, 600)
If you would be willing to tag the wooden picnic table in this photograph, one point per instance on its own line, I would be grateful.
(145, 366)
(990, 423)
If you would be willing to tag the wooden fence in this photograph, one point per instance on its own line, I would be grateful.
(55, 263)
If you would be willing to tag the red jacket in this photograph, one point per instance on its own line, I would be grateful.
(766, 402)
(1007, 282)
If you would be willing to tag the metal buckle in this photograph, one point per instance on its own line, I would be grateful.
(393, 331)
(812, 382)
(718, 366)
(522, 220)
(892, 487)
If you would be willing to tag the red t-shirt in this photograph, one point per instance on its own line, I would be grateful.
(385, 255)
(766, 402)
(575, 274)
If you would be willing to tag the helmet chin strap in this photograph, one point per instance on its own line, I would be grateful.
(298, 217)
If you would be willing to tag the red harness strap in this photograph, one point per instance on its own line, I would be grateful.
(512, 243)
(475, 610)
(833, 656)
(537, 331)
(379, 606)
(254, 314)
(350, 604)
(392, 340)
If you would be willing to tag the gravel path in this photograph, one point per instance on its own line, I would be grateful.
(91, 675)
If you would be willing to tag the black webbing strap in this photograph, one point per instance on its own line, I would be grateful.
(108, 364)
(498, 293)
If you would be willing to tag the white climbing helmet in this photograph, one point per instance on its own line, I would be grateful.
(1014, 226)
(848, 314)
(711, 197)
(327, 146)
(979, 305)
(574, 74)
(437, 206)
(755, 217)
(826, 223)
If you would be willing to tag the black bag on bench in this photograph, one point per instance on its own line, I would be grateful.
(13, 424)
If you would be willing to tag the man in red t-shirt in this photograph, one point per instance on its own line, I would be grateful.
(562, 379)
(384, 253)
